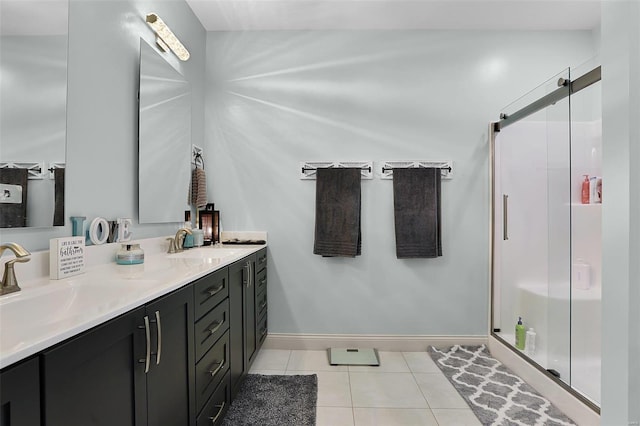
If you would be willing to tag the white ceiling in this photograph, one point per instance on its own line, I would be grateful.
(231, 15)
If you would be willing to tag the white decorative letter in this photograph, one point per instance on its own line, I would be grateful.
(124, 234)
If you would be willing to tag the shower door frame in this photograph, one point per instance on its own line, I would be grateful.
(566, 89)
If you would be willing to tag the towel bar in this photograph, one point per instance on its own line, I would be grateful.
(446, 167)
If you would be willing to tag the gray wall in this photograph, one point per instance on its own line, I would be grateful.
(277, 98)
(102, 110)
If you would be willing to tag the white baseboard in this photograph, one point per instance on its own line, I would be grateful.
(393, 343)
(561, 398)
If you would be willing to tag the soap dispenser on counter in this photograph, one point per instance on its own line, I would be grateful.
(130, 254)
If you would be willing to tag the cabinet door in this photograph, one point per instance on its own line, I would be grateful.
(170, 395)
(20, 395)
(250, 335)
(237, 274)
(98, 377)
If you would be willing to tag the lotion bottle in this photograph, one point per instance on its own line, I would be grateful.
(585, 190)
(520, 334)
(530, 344)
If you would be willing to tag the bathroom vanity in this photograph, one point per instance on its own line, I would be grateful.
(174, 351)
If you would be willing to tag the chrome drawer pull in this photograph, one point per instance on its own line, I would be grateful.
(263, 332)
(262, 281)
(159, 337)
(147, 359)
(213, 292)
(213, 419)
(214, 372)
(263, 305)
(262, 260)
(216, 327)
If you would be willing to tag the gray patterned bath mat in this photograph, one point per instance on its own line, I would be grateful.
(274, 401)
(496, 395)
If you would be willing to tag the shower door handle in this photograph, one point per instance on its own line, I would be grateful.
(505, 212)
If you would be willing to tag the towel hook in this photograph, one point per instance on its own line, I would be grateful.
(199, 156)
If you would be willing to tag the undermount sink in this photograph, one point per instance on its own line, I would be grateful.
(207, 253)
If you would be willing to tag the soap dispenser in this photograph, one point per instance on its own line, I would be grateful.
(520, 334)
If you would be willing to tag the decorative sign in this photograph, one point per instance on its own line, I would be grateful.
(66, 257)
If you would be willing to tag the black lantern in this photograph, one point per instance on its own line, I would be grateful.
(210, 224)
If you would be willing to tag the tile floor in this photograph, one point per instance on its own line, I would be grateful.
(407, 389)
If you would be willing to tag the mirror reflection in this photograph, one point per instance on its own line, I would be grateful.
(164, 150)
(33, 95)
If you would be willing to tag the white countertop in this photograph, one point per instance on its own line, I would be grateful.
(46, 312)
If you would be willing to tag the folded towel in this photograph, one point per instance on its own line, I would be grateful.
(198, 191)
(337, 231)
(14, 215)
(58, 203)
(416, 202)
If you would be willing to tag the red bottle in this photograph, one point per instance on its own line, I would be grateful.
(585, 190)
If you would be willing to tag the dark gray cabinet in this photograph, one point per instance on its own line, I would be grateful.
(177, 361)
(98, 378)
(20, 394)
(134, 370)
(248, 329)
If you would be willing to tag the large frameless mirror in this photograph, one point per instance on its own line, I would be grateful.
(33, 113)
(164, 139)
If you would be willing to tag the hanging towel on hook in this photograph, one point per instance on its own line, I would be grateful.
(416, 203)
(337, 228)
(198, 188)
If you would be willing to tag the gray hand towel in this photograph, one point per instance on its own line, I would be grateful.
(198, 190)
(337, 231)
(416, 202)
(14, 215)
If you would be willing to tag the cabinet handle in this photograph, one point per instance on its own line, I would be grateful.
(216, 327)
(263, 333)
(214, 291)
(214, 372)
(249, 279)
(505, 211)
(159, 337)
(262, 260)
(263, 305)
(147, 359)
(262, 281)
(214, 419)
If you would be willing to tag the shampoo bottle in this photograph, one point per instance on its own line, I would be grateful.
(585, 190)
(520, 334)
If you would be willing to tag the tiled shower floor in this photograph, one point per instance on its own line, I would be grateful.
(407, 389)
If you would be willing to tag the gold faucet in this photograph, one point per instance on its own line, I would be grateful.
(176, 244)
(9, 281)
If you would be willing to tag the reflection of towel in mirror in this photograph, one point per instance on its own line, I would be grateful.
(58, 202)
(14, 215)
(198, 192)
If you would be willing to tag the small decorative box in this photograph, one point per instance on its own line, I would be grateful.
(66, 257)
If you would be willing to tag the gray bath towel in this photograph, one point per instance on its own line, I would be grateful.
(14, 215)
(338, 212)
(416, 202)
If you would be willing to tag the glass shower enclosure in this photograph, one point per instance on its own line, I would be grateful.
(546, 245)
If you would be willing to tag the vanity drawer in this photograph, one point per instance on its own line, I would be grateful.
(210, 327)
(211, 369)
(261, 304)
(261, 259)
(216, 407)
(261, 329)
(210, 290)
(261, 280)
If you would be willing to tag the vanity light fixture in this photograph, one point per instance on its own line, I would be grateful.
(166, 38)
